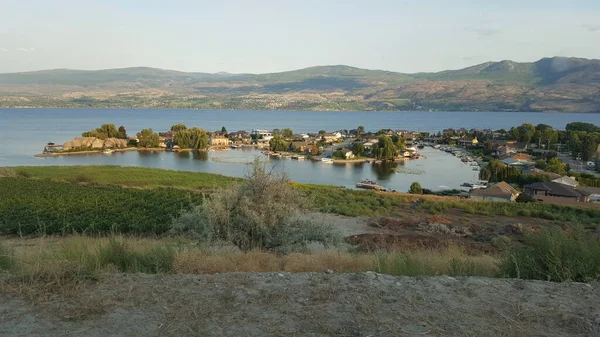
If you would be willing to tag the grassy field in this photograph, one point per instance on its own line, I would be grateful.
(127, 176)
(30, 206)
(328, 199)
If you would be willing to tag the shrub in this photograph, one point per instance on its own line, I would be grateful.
(193, 222)
(555, 255)
(525, 198)
(155, 260)
(415, 188)
(263, 212)
(7, 172)
(83, 178)
(7, 259)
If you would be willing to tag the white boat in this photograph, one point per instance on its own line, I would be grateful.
(411, 149)
(107, 151)
(327, 160)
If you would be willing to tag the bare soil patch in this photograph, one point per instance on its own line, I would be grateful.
(305, 304)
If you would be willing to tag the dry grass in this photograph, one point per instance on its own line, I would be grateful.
(60, 263)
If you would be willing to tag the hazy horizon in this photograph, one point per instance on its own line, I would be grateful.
(268, 36)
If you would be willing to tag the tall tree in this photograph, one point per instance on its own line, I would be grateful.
(278, 144)
(178, 127)
(287, 133)
(148, 138)
(122, 132)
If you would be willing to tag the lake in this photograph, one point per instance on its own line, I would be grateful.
(24, 132)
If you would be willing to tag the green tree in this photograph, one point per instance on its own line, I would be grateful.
(557, 166)
(223, 130)
(122, 132)
(287, 133)
(278, 144)
(415, 188)
(358, 149)
(385, 148)
(360, 129)
(103, 132)
(178, 127)
(338, 155)
(148, 138)
(194, 138)
(581, 126)
(541, 164)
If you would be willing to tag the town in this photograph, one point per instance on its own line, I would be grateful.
(524, 164)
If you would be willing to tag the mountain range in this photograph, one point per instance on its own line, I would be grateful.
(550, 84)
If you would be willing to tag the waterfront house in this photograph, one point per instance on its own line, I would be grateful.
(348, 154)
(565, 180)
(468, 141)
(500, 192)
(556, 193)
(298, 146)
(169, 135)
(218, 140)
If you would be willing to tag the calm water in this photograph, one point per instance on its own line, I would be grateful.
(23, 133)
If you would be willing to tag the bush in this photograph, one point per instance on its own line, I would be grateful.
(7, 172)
(261, 213)
(525, 198)
(555, 255)
(83, 178)
(415, 188)
(156, 260)
(7, 259)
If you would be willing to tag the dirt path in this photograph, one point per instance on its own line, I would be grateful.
(307, 304)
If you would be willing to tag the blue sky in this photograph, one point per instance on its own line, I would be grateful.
(261, 36)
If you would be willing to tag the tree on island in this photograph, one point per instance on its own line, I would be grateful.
(223, 130)
(122, 132)
(148, 138)
(358, 149)
(415, 188)
(278, 144)
(194, 138)
(287, 133)
(385, 149)
(178, 127)
(103, 132)
(360, 129)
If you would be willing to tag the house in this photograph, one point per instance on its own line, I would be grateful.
(569, 181)
(468, 141)
(555, 192)
(218, 140)
(532, 171)
(518, 159)
(593, 192)
(348, 154)
(299, 146)
(331, 137)
(169, 134)
(500, 192)
(262, 135)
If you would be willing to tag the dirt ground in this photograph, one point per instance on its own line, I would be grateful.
(306, 304)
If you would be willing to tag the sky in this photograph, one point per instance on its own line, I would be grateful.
(262, 36)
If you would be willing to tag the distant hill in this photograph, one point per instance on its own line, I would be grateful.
(550, 84)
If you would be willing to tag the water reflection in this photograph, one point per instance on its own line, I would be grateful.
(385, 171)
(199, 155)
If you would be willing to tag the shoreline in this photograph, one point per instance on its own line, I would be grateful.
(127, 149)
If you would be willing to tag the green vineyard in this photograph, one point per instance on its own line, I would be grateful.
(29, 206)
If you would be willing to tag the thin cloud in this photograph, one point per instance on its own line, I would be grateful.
(2, 50)
(26, 50)
(591, 28)
(483, 32)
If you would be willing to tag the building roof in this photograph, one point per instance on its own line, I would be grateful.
(535, 172)
(499, 190)
(522, 157)
(556, 189)
(589, 190)
(566, 181)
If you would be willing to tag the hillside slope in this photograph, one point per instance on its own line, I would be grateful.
(550, 84)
